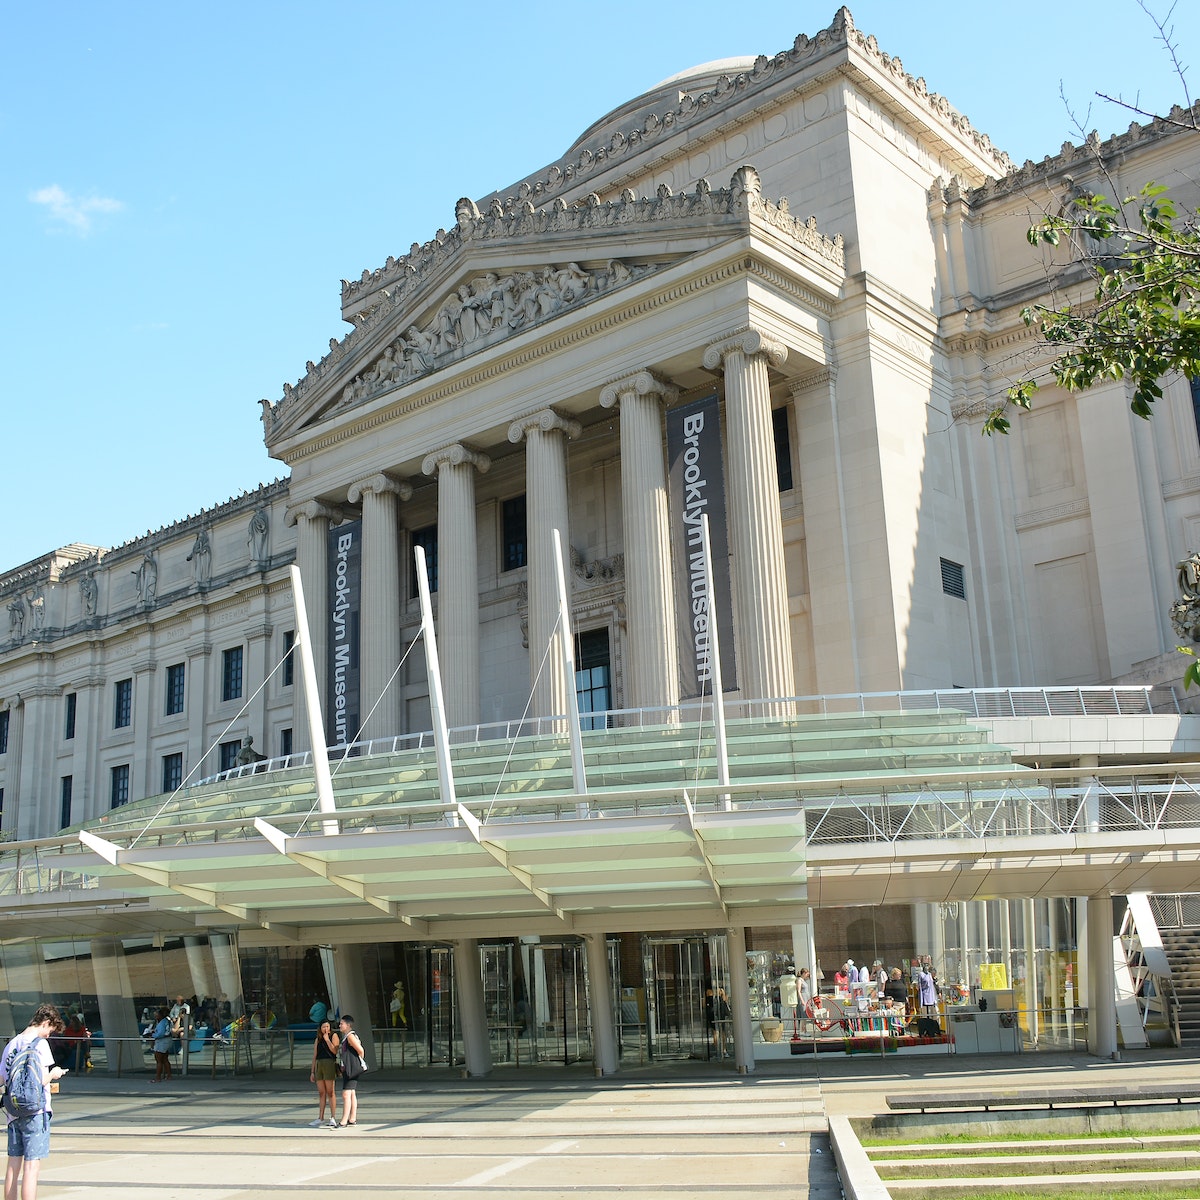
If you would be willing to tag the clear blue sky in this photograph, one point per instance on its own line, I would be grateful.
(184, 184)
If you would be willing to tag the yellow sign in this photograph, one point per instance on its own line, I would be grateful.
(993, 977)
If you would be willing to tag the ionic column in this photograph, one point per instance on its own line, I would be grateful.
(458, 578)
(652, 674)
(764, 642)
(379, 649)
(312, 520)
(545, 434)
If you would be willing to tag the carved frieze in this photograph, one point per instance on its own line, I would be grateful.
(482, 312)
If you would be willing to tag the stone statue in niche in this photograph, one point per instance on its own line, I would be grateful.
(201, 558)
(259, 536)
(16, 619)
(38, 607)
(146, 577)
(88, 595)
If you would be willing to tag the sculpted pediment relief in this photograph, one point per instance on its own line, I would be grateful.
(481, 312)
(435, 320)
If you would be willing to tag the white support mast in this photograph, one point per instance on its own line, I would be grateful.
(437, 701)
(312, 703)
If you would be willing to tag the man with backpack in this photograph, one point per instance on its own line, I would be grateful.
(26, 1072)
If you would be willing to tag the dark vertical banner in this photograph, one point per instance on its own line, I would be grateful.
(696, 481)
(345, 600)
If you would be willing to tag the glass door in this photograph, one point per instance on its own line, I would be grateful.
(555, 998)
(677, 972)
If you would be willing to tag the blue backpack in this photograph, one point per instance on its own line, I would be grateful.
(24, 1093)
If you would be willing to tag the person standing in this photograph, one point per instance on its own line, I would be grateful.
(164, 1040)
(324, 1074)
(29, 1136)
(351, 1056)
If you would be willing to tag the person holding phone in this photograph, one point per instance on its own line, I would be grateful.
(324, 1074)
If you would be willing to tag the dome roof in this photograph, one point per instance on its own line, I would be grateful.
(663, 96)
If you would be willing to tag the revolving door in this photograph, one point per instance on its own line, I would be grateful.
(677, 970)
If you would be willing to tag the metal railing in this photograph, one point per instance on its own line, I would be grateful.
(979, 703)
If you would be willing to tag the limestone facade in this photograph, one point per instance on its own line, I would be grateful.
(524, 360)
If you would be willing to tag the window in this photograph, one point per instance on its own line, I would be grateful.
(783, 448)
(228, 752)
(69, 720)
(953, 583)
(427, 539)
(1, 808)
(512, 532)
(4, 731)
(64, 801)
(118, 792)
(231, 673)
(122, 703)
(289, 657)
(176, 677)
(593, 677)
(172, 772)
(285, 742)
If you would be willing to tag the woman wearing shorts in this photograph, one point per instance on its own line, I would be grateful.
(350, 1046)
(324, 1073)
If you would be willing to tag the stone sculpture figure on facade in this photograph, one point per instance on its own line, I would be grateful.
(201, 558)
(16, 618)
(258, 536)
(146, 577)
(88, 594)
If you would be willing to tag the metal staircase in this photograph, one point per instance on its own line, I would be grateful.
(1146, 997)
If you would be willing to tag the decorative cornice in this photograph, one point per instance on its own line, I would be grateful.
(1092, 153)
(199, 649)
(143, 666)
(311, 510)
(597, 571)
(545, 420)
(455, 455)
(732, 90)
(746, 341)
(641, 383)
(1184, 486)
(970, 409)
(816, 379)
(379, 484)
(1051, 516)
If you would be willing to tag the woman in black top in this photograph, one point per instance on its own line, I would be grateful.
(324, 1073)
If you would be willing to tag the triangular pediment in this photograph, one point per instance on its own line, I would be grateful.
(497, 276)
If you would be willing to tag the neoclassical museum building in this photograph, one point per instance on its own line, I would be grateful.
(781, 293)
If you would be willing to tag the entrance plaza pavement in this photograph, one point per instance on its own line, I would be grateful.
(539, 1132)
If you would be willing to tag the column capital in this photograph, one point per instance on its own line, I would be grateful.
(641, 383)
(381, 485)
(455, 455)
(747, 340)
(311, 510)
(545, 419)
(199, 649)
